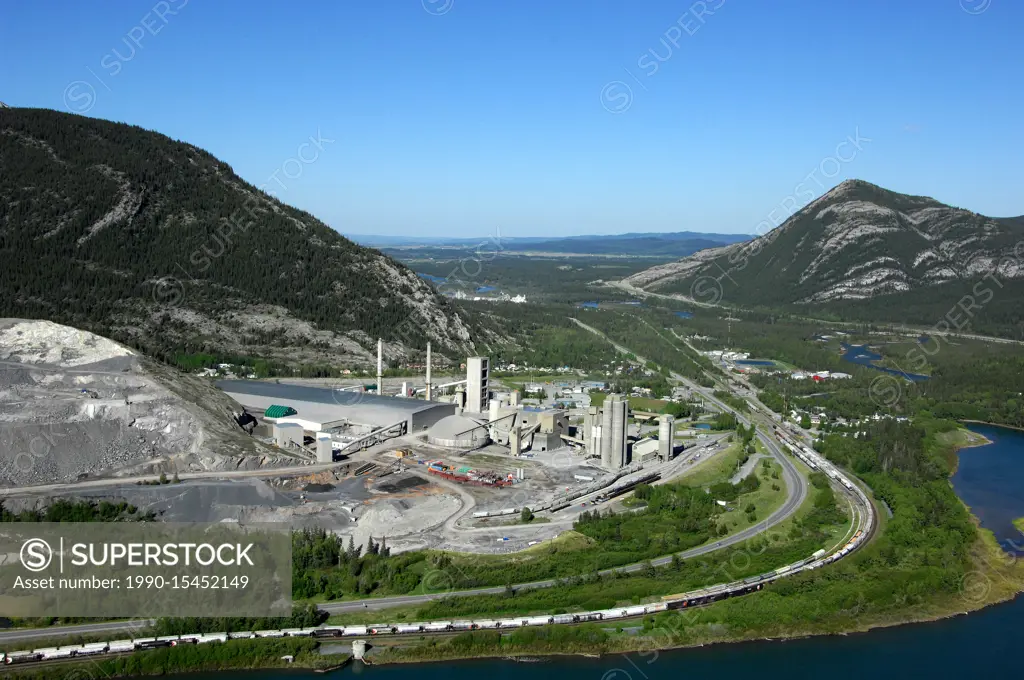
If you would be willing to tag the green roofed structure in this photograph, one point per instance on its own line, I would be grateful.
(276, 411)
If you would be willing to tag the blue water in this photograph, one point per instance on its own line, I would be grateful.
(431, 277)
(988, 479)
(862, 356)
(684, 315)
(590, 305)
(755, 362)
(485, 289)
(702, 426)
(985, 644)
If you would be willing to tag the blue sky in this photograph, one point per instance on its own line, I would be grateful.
(545, 117)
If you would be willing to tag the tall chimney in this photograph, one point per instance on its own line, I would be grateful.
(428, 371)
(380, 366)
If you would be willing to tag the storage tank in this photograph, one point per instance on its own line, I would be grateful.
(287, 434)
(618, 453)
(358, 649)
(606, 431)
(324, 448)
(666, 437)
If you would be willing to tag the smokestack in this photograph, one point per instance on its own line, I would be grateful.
(380, 366)
(428, 371)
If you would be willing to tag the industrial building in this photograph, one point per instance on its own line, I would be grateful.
(478, 371)
(614, 429)
(343, 417)
(666, 437)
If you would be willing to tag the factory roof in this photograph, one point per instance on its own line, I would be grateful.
(325, 405)
(457, 430)
(450, 426)
(278, 411)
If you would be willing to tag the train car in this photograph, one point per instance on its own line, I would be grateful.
(212, 637)
(173, 639)
(782, 570)
(440, 626)
(409, 628)
(119, 646)
(321, 633)
(638, 610)
(151, 644)
(92, 649)
(818, 554)
(21, 657)
(464, 625)
(354, 630)
(586, 616)
(269, 633)
(486, 624)
(537, 620)
(562, 618)
(611, 614)
(295, 632)
(248, 634)
(509, 623)
(656, 607)
(383, 630)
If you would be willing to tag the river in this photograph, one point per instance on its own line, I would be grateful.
(988, 479)
(862, 355)
(983, 644)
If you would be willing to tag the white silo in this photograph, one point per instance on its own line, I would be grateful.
(666, 437)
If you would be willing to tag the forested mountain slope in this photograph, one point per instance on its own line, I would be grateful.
(158, 244)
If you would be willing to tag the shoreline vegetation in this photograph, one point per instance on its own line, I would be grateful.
(233, 655)
(985, 422)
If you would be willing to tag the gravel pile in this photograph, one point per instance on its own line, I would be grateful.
(75, 405)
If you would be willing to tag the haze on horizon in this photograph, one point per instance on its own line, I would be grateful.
(457, 118)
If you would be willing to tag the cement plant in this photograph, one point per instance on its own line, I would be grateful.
(447, 463)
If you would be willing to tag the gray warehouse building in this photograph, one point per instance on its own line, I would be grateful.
(320, 409)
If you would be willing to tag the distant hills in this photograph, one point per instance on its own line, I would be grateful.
(156, 243)
(643, 244)
(861, 250)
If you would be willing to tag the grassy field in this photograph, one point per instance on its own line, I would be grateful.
(766, 499)
(718, 467)
(635, 403)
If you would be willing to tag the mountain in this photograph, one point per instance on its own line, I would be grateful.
(647, 244)
(157, 244)
(858, 246)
